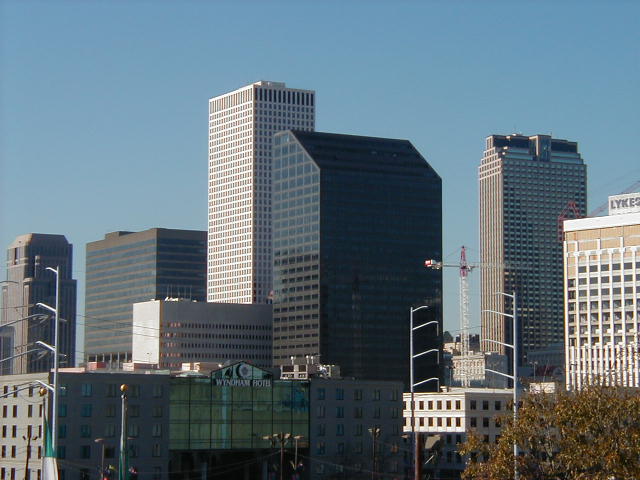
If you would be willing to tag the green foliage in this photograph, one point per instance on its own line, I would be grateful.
(592, 434)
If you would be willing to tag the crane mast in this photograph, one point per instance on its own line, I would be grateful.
(464, 268)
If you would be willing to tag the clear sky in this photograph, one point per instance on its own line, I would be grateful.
(103, 113)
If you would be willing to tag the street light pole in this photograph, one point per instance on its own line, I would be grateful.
(101, 441)
(514, 347)
(412, 383)
(56, 335)
(375, 433)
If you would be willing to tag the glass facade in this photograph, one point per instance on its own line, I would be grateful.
(354, 218)
(130, 267)
(216, 413)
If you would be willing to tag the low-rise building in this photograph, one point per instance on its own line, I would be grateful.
(172, 332)
(451, 415)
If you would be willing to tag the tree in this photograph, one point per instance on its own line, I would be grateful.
(592, 434)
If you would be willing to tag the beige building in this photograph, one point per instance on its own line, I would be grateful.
(602, 296)
(451, 415)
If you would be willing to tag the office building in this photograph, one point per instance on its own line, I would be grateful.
(602, 296)
(129, 267)
(30, 282)
(526, 185)
(447, 418)
(241, 127)
(172, 332)
(354, 218)
(89, 423)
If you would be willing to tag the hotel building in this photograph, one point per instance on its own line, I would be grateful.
(602, 296)
(241, 127)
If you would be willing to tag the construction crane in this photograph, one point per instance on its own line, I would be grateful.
(465, 269)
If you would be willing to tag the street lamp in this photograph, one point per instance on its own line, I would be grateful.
(296, 439)
(412, 383)
(101, 441)
(54, 349)
(514, 347)
(283, 438)
(375, 433)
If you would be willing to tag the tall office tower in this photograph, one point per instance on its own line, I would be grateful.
(28, 283)
(602, 295)
(241, 127)
(526, 183)
(130, 267)
(354, 219)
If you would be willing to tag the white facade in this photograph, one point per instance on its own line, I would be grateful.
(169, 333)
(602, 300)
(241, 127)
(453, 414)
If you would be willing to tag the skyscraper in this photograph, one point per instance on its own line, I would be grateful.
(354, 218)
(241, 126)
(29, 282)
(129, 267)
(526, 183)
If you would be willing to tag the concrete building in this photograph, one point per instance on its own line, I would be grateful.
(450, 416)
(354, 218)
(526, 185)
(241, 126)
(88, 424)
(129, 267)
(29, 282)
(169, 333)
(476, 365)
(602, 296)
(355, 429)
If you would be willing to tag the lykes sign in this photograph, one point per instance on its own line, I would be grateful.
(628, 203)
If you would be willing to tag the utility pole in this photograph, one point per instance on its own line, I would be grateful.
(28, 439)
(375, 433)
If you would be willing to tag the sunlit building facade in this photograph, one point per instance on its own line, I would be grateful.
(241, 127)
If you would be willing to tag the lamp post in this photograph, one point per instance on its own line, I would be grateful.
(54, 349)
(123, 467)
(412, 383)
(296, 439)
(283, 438)
(101, 441)
(375, 433)
(514, 377)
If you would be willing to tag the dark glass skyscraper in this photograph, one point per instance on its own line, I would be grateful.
(130, 267)
(29, 282)
(354, 218)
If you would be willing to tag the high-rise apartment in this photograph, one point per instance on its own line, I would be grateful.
(526, 184)
(129, 267)
(28, 283)
(354, 218)
(602, 296)
(241, 127)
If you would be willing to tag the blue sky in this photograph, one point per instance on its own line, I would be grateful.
(103, 113)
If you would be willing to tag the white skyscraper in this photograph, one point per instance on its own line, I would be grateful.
(241, 127)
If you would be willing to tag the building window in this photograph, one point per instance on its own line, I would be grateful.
(376, 412)
(485, 422)
(340, 429)
(156, 411)
(320, 448)
(112, 390)
(458, 422)
(86, 410)
(134, 411)
(110, 411)
(357, 394)
(156, 451)
(339, 393)
(321, 430)
(156, 430)
(85, 451)
(340, 448)
(473, 422)
(86, 389)
(85, 431)
(339, 412)
(376, 395)
(157, 391)
(498, 405)
(321, 394)
(485, 404)
(472, 404)
(457, 404)
(357, 412)
(320, 412)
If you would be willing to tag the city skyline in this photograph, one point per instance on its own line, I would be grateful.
(441, 84)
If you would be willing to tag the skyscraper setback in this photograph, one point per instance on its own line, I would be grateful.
(28, 283)
(526, 183)
(241, 126)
